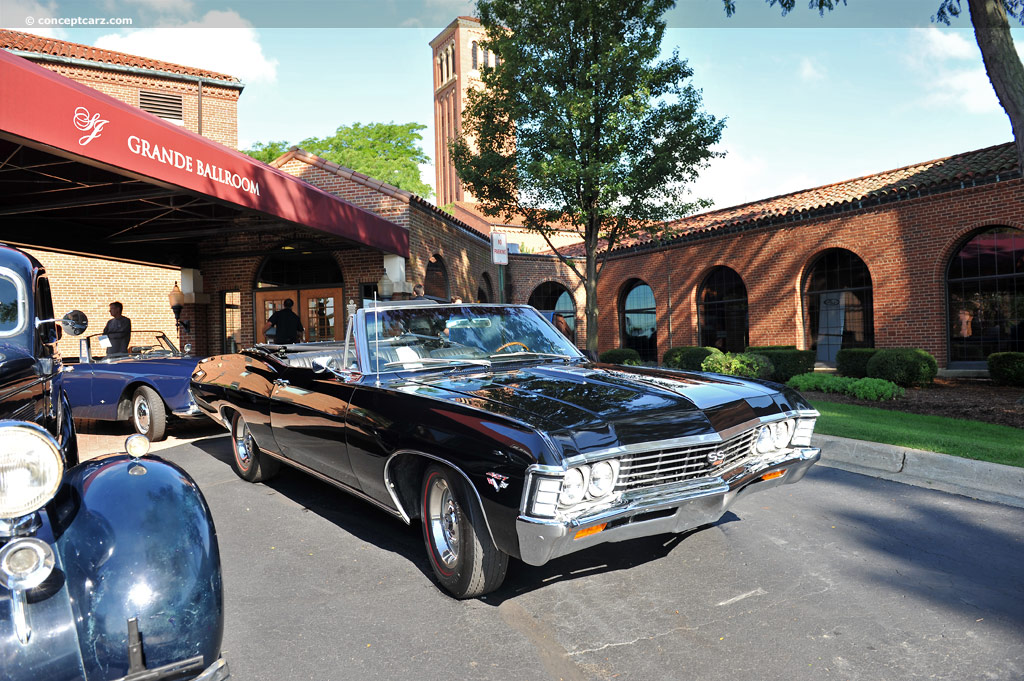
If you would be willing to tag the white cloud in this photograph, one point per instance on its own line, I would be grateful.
(935, 43)
(24, 15)
(810, 72)
(968, 89)
(220, 41)
(740, 177)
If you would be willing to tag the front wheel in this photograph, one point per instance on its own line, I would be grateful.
(465, 560)
(248, 461)
(148, 413)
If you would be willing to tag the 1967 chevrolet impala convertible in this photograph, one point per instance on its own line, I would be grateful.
(488, 427)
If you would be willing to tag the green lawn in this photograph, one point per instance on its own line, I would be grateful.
(969, 439)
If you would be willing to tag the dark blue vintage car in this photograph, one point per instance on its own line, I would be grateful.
(145, 386)
(487, 427)
(110, 568)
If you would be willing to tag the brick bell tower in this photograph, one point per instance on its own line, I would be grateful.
(458, 58)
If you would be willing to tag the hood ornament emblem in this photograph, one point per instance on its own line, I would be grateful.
(716, 458)
(497, 481)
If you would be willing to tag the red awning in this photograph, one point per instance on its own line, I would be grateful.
(41, 108)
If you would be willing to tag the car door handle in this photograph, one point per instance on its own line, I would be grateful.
(281, 381)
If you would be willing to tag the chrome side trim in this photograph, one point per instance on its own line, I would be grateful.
(218, 671)
(331, 481)
(469, 483)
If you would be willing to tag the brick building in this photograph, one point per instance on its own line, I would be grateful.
(931, 255)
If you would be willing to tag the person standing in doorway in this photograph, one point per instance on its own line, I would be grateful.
(417, 292)
(118, 330)
(287, 325)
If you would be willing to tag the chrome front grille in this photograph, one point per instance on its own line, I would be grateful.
(644, 470)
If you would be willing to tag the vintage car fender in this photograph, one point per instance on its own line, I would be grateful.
(133, 538)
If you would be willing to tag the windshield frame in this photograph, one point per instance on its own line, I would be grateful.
(362, 341)
(22, 303)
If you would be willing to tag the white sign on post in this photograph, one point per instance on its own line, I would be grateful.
(499, 248)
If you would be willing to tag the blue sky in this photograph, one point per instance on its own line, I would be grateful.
(808, 100)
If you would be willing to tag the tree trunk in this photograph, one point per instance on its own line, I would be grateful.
(1005, 71)
(590, 286)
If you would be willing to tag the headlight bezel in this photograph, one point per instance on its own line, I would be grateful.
(49, 463)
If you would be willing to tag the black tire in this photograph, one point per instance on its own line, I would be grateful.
(465, 560)
(247, 460)
(149, 416)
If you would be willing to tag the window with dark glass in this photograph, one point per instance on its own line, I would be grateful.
(232, 321)
(722, 311)
(473, 50)
(838, 304)
(552, 299)
(985, 293)
(639, 320)
(435, 285)
(12, 306)
(298, 265)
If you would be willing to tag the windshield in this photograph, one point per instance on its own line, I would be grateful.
(13, 303)
(411, 338)
(140, 344)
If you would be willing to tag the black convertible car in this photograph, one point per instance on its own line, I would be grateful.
(490, 428)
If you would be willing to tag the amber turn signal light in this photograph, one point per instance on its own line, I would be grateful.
(773, 475)
(590, 530)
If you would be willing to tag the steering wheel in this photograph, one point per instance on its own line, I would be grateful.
(510, 344)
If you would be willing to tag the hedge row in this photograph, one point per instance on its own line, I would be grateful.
(874, 389)
(741, 364)
(687, 357)
(620, 356)
(787, 360)
(1006, 368)
(907, 367)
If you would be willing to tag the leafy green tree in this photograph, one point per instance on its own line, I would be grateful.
(389, 152)
(582, 128)
(991, 21)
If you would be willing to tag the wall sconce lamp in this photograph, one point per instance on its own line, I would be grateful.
(177, 300)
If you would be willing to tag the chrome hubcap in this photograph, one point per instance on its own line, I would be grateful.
(443, 512)
(141, 415)
(243, 444)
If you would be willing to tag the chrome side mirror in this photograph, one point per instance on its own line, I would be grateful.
(75, 323)
(188, 348)
(320, 365)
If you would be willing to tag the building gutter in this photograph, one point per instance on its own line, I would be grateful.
(133, 70)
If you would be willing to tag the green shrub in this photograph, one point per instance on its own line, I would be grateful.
(907, 367)
(1006, 368)
(619, 356)
(629, 362)
(742, 364)
(788, 362)
(687, 357)
(854, 361)
(875, 389)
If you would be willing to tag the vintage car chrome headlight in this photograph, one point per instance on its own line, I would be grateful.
(31, 468)
(774, 436)
(602, 478)
(574, 486)
(803, 431)
(764, 440)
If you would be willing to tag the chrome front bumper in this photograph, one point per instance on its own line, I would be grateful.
(672, 509)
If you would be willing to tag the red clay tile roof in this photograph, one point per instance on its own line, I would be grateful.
(48, 47)
(943, 174)
(403, 195)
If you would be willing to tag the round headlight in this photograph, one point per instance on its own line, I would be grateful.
(764, 440)
(31, 468)
(602, 479)
(573, 487)
(782, 433)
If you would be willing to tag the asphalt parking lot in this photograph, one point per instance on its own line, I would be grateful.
(839, 577)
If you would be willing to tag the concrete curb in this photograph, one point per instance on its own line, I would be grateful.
(976, 479)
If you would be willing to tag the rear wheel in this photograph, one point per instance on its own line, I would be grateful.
(248, 461)
(465, 560)
(149, 416)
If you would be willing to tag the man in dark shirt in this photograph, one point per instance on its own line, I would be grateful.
(118, 330)
(287, 325)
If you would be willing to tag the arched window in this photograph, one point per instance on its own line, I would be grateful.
(985, 289)
(473, 50)
(298, 265)
(487, 58)
(485, 292)
(638, 320)
(838, 304)
(722, 311)
(435, 284)
(551, 298)
(451, 61)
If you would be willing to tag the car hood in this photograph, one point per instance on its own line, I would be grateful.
(173, 366)
(594, 407)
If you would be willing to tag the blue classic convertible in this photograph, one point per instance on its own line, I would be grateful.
(145, 385)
